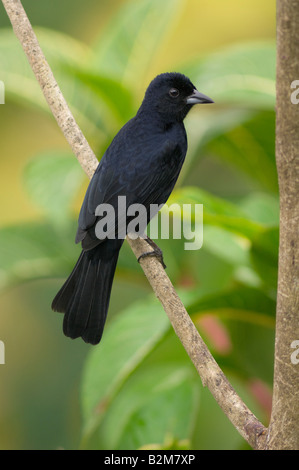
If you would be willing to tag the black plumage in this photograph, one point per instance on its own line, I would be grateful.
(142, 163)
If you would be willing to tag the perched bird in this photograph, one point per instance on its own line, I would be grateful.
(142, 163)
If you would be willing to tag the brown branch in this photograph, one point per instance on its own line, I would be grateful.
(284, 423)
(211, 375)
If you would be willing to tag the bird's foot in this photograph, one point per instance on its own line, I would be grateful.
(157, 252)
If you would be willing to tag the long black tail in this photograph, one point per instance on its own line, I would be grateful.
(84, 297)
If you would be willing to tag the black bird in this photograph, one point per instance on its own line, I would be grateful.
(142, 163)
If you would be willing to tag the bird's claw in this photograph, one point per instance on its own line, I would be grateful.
(153, 253)
(157, 252)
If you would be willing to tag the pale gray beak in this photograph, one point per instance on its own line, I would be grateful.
(198, 98)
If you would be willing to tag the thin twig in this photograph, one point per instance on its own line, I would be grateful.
(211, 375)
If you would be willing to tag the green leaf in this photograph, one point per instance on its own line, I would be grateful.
(213, 431)
(250, 148)
(116, 96)
(16, 72)
(33, 251)
(241, 77)
(226, 245)
(217, 211)
(155, 408)
(62, 53)
(264, 256)
(242, 74)
(248, 315)
(52, 180)
(126, 49)
(261, 207)
(243, 303)
(127, 341)
(204, 127)
(252, 347)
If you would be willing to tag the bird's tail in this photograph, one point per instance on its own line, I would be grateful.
(84, 297)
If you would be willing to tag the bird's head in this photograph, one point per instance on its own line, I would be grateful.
(172, 95)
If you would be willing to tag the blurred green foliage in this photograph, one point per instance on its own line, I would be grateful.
(138, 388)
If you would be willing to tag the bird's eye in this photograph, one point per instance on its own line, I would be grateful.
(174, 93)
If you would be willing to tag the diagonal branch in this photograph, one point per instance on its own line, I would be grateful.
(211, 375)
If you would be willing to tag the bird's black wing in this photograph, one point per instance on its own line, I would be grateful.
(145, 180)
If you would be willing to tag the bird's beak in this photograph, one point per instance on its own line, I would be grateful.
(198, 98)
